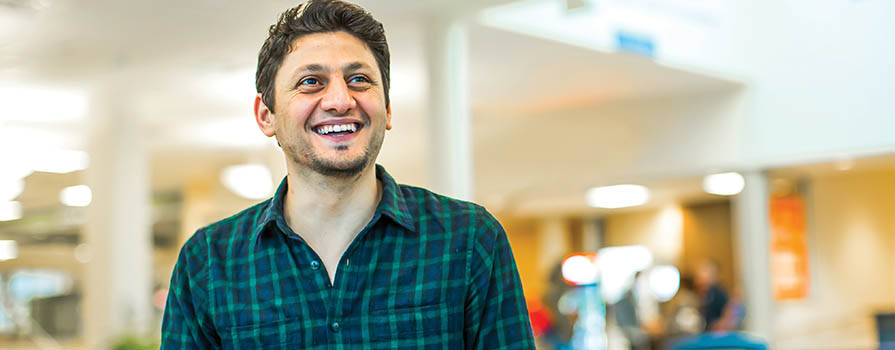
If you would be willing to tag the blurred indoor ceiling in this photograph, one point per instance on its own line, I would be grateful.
(187, 68)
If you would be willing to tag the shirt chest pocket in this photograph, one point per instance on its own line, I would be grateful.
(284, 334)
(424, 324)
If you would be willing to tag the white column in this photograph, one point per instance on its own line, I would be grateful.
(450, 134)
(591, 234)
(752, 234)
(553, 238)
(118, 277)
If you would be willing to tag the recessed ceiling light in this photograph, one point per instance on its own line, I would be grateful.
(618, 196)
(724, 184)
(76, 196)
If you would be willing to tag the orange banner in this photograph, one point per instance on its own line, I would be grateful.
(789, 249)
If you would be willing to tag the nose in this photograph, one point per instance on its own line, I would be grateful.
(337, 98)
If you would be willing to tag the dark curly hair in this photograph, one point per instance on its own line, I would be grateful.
(318, 16)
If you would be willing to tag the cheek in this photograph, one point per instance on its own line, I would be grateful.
(297, 115)
(373, 107)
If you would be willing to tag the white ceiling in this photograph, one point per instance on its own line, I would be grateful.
(187, 68)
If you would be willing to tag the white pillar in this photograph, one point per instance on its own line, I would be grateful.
(591, 234)
(117, 292)
(450, 134)
(752, 230)
(553, 238)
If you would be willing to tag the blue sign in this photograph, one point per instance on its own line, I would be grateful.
(639, 44)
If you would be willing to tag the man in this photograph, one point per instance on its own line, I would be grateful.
(712, 295)
(342, 257)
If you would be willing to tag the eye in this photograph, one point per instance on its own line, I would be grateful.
(359, 80)
(309, 82)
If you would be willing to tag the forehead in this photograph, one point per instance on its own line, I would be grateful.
(330, 50)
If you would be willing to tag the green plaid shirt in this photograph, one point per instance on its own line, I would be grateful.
(427, 272)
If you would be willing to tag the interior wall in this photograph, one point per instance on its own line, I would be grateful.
(523, 236)
(539, 245)
(708, 235)
(662, 231)
(585, 146)
(683, 236)
(818, 66)
(851, 240)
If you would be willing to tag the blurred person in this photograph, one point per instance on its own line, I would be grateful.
(712, 295)
(684, 318)
(629, 317)
(733, 315)
(342, 255)
(560, 333)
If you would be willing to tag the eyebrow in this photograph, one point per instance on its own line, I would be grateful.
(353, 67)
(314, 67)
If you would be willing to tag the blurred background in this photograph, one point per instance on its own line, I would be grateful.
(754, 142)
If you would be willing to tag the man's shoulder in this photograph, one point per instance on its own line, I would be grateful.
(237, 227)
(424, 201)
(454, 215)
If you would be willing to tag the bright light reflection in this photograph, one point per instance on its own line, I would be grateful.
(10, 211)
(8, 250)
(76, 196)
(725, 184)
(39, 104)
(251, 181)
(664, 282)
(618, 266)
(11, 188)
(618, 196)
(15, 165)
(580, 269)
(59, 161)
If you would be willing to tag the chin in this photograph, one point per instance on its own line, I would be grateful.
(340, 168)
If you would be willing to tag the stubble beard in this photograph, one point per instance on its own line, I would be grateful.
(336, 169)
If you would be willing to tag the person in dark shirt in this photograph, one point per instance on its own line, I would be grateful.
(712, 295)
(342, 257)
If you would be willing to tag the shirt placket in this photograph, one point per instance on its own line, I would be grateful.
(343, 289)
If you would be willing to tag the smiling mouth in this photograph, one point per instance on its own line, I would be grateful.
(338, 129)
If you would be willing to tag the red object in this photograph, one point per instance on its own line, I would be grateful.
(541, 321)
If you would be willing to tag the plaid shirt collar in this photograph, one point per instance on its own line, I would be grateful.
(392, 205)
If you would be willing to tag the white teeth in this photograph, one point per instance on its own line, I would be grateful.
(326, 129)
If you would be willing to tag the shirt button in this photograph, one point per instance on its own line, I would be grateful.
(315, 265)
(335, 326)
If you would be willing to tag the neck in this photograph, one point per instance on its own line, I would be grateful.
(318, 204)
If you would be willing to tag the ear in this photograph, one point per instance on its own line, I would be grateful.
(388, 117)
(264, 117)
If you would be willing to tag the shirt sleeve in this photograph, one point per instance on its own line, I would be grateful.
(496, 316)
(187, 323)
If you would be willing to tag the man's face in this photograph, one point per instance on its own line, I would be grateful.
(330, 105)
